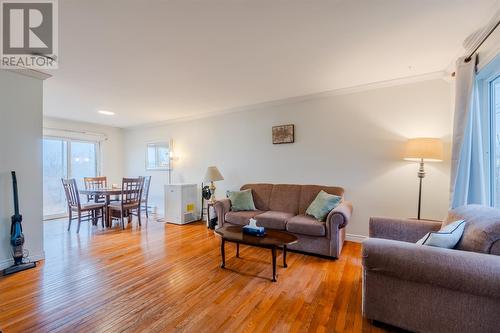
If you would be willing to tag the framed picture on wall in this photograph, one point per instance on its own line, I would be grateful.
(283, 134)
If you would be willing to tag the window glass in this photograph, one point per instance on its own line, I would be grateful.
(64, 158)
(158, 156)
(83, 161)
(54, 168)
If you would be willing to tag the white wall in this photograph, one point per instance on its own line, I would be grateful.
(111, 139)
(21, 151)
(353, 140)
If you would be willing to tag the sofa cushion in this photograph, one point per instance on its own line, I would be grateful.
(446, 238)
(309, 192)
(306, 225)
(322, 205)
(261, 194)
(482, 228)
(241, 200)
(242, 217)
(273, 220)
(285, 198)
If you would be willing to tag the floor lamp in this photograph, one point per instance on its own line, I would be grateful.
(423, 150)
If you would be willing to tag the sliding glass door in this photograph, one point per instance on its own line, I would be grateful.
(83, 160)
(65, 158)
(55, 167)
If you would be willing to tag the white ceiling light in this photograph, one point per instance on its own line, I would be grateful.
(106, 112)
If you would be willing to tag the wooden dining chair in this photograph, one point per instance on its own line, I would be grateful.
(145, 194)
(130, 200)
(93, 183)
(84, 212)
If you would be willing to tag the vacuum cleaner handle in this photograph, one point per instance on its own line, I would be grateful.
(16, 218)
(16, 196)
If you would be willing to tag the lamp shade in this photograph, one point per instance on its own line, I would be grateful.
(213, 174)
(428, 149)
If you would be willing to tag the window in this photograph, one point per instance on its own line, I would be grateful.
(55, 167)
(158, 156)
(65, 158)
(83, 160)
(488, 80)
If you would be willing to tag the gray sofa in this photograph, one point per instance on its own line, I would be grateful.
(428, 289)
(283, 206)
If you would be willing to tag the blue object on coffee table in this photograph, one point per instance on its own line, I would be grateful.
(258, 231)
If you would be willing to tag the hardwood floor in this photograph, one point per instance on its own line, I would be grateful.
(164, 278)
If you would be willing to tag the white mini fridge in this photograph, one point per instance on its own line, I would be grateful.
(181, 203)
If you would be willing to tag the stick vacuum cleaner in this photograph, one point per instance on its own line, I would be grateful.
(16, 236)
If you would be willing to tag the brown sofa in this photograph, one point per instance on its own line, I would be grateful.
(283, 207)
(428, 289)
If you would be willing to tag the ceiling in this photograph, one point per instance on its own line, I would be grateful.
(152, 61)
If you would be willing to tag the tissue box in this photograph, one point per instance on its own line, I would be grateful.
(258, 231)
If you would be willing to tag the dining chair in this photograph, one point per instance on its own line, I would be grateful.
(130, 200)
(84, 212)
(145, 194)
(93, 183)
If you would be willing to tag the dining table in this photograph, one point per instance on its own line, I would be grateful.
(106, 193)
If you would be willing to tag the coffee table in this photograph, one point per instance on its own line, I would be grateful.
(272, 240)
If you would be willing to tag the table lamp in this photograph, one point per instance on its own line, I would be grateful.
(423, 150)
(212, 175)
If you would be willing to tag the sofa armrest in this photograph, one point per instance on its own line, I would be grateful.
(469, 272)
(221, 207)
(339, 216)
(405, 230)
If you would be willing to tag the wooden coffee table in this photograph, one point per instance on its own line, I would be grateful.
(272, 240)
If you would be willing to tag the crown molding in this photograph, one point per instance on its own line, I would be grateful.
(489, 50)
(491, 53)
(297, 99)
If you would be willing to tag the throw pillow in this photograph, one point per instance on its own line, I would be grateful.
(446, 238)
(241, 200)
(322, 205)
(482, 230)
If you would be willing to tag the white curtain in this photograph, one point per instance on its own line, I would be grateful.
(468, 166)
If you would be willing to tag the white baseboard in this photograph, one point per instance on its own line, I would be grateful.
(355, 238)
(9, 262)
